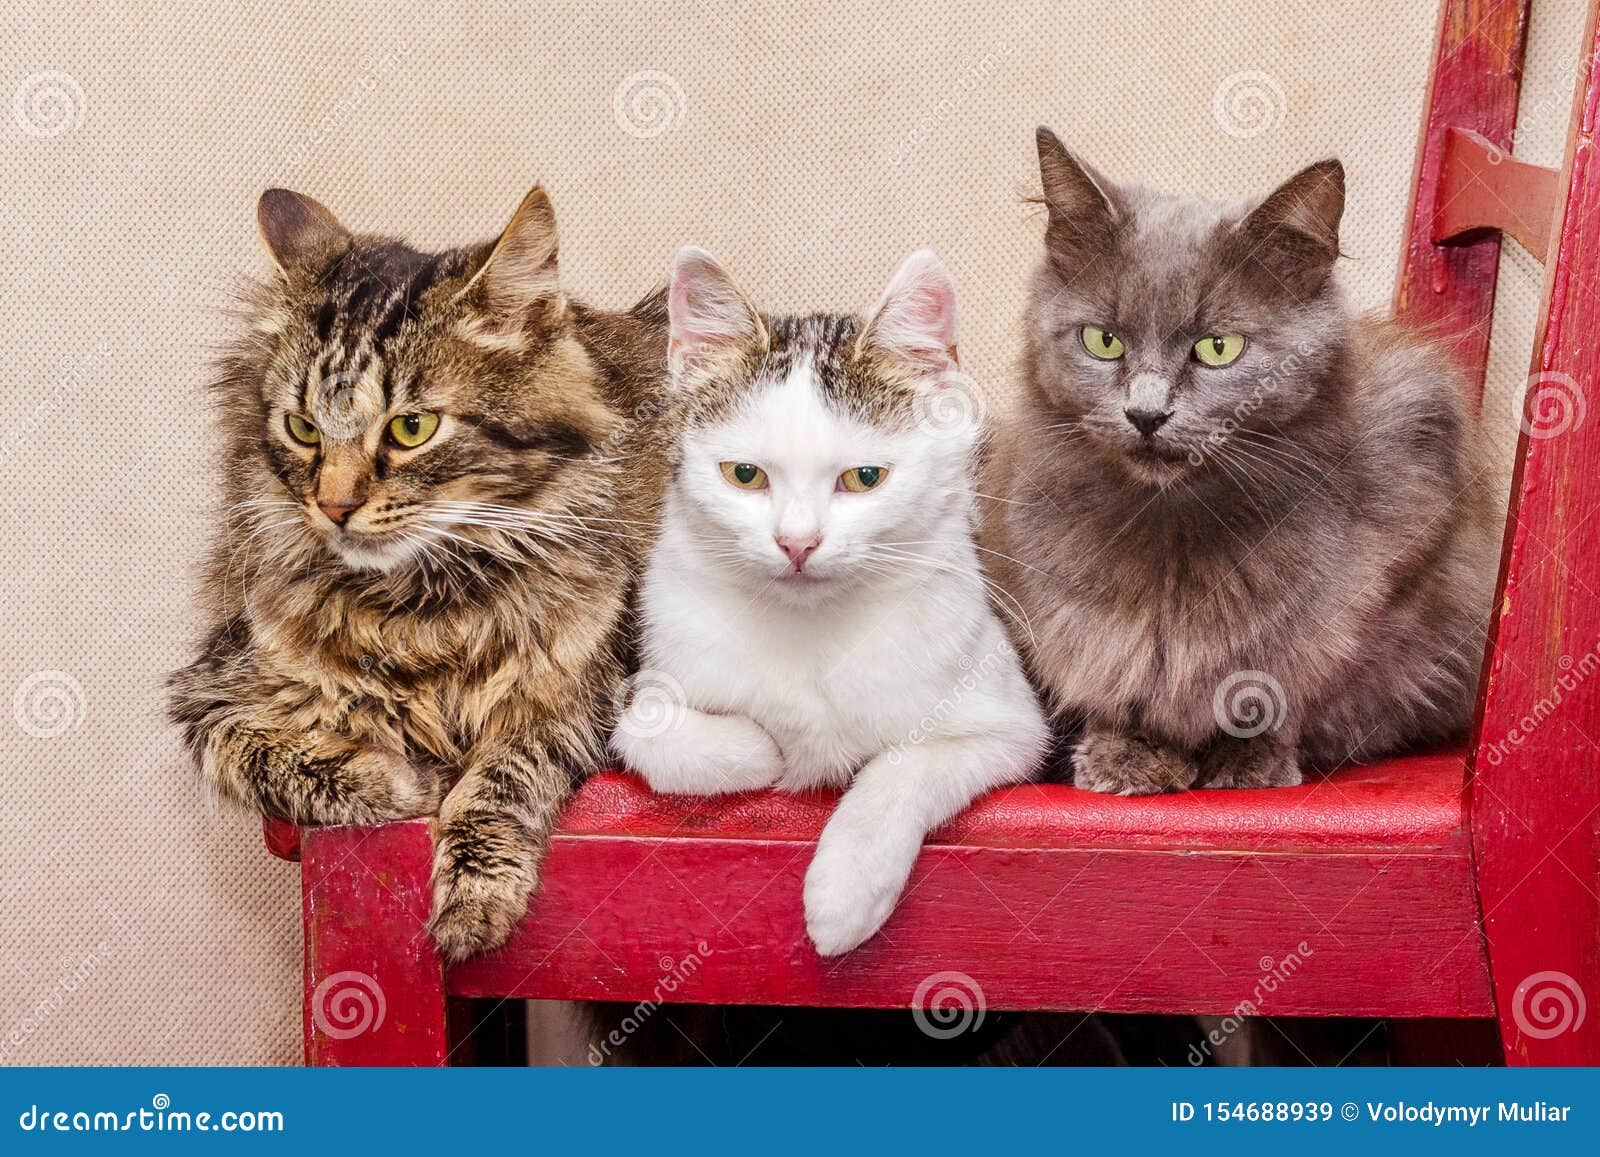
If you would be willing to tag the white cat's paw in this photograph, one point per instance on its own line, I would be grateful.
(848, 898)
(700, 754)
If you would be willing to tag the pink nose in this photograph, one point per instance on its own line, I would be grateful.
(799, 549)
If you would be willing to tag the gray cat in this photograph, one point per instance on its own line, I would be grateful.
(1249, 531)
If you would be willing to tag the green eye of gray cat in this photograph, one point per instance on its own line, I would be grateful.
(1219, 349)
(1101, 343)
(301, 430)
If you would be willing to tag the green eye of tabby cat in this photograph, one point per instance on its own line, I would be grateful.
(744, 475)
(1219, 349)
(1101, 343)
(412, 430)
(859, 479)
(301, 430)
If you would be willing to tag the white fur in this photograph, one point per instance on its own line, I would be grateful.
(882, 667)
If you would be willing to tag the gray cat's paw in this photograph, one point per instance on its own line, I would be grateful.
(1119, 764)
(1249, 763)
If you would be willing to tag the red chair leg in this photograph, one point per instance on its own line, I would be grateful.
(1536, 786)
(374, 988)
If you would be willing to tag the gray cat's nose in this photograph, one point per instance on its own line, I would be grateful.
(1147, 422)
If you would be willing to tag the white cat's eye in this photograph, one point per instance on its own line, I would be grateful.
(301, 430)
(1219, 349)
(1101, 343)
(744, 475)
(860, 479)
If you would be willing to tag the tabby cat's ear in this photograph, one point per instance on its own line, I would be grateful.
(519, 269)
(1083, 215)
(1294, 232)
(302, 235)
(708, 314)
(914, 322)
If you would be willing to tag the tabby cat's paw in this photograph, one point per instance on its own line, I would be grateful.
(1118, 764)
(397, 788)
(483, 874)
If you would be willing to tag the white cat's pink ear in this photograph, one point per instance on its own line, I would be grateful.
(709, 317)
(915, 321)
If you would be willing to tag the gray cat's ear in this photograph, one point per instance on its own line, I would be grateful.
(302, 235)
(1294, 232)
(519, 269)
(1082, 211)
(914, 322)
(709, 317)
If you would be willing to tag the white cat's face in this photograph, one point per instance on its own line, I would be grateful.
(793, 497)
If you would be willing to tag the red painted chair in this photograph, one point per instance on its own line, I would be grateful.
(1455, 884)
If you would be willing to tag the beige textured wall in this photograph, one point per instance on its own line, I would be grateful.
(808, 146)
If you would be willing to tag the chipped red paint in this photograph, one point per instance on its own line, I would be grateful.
(1477, 75)
(374, 990)
(1536, 791)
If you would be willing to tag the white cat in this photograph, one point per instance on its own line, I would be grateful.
(815, 592)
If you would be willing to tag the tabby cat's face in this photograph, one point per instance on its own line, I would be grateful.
(412, 400)
(1160, 325)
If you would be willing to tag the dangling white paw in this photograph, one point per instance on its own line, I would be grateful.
(849, 893)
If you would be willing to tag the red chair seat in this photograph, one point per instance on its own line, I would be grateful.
(1352, 894)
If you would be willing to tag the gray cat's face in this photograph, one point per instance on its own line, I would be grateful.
(1159, 326)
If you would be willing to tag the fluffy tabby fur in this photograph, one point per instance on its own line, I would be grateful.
(389, 622)
(822, 636)
(1296, 563)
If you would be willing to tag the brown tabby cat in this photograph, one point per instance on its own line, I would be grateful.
(1246, 529)
(438, 468)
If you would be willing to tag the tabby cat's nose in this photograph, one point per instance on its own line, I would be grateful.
(338, 512)
(1147, 422)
